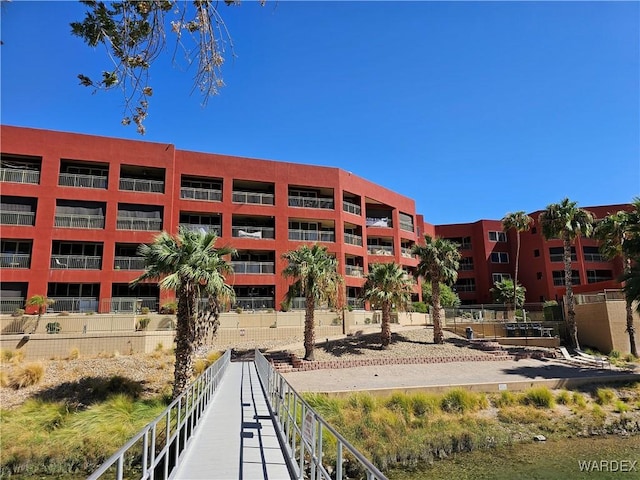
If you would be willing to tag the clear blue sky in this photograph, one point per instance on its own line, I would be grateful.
(473, 109)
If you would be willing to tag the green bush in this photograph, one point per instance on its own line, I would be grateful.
(53, 327)
(540, 397)
(459, 400)
(563, 398)
(169, 308)
(144, 310)
(420, 307)
(604, 396)
(142, 323)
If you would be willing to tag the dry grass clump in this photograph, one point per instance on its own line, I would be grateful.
(26, 375)
(11, 356)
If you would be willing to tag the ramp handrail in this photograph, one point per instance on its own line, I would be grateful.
(154, 452)
(315, 450)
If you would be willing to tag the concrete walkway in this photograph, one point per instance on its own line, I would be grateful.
(236, 438)
(491, 376)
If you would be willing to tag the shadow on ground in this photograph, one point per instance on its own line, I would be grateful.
(91, 390)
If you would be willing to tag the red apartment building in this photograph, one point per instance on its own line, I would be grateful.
(74, 209)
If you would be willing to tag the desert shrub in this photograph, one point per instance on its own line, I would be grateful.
(159, 347)
(615, 354)
(420, 307)
(599, 415)
(74, 353)
(213, 357)
(142, 323)
(145, 310)
(630, 357)
(423, 404)
(199, 366)
(604, 396)
(27, 375)
(169, 308)
(401, 403)
(540, 397)
(506, 399)
(621, 407)
(459, 400)
(18, 312)
(578, 400)
(363, 401)
(336, 321)
(563, 397)
(4, 379)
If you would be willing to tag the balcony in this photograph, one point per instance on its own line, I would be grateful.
(355, 302)
(255, 303)
(383, 222)
(82, 181)
(17, 218)
(15, 260)
(204, 194)
(252, 232)
(406, 226)
(128, 263)
(257, 268)
(19, 175)
(79, 221)
(75, 262)
(594, 257)
(352, 239)
(254, 198)
(142, 185)
(406, 252)
(74, 304)
(137, 223)
(559, 257)
(382, 250)
(351, 207)
(311, 235)
(194, 227)
(311, 202)
(354, 271)
(131, 304)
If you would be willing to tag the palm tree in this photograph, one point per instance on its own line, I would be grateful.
(387, 285)
(190, 264)
(439, 262)
(505, 292)
(615, 234)
(520, 222)
(316, 277)
(567, 222)
(41, 302)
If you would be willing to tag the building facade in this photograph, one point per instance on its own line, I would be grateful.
(75, 208)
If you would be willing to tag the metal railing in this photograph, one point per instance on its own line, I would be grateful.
(407, 226)
(205, 194)
(15, 260)
(352, 239)
(84, 181)
(196, 227)
(311, 235)
(254, 303)
(142, 185)
(131, 304)
(135, 223)
(128, 263)
(314, 448)
(310, 202)
(353, 271)
(15, 175)
(406, 252)
(594, 257)
(17, 218)
(263, 268)
(351, 207)
(254, 197)
(355, 302)
(78, 221)
(154, 452)
(253, 232)
(379, 222)
(74, 304)
(10, 304)
(76, 262)
(384, 250)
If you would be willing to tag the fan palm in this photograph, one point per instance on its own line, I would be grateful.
(520, 222)
(567, 222)
(387, 285)
(505, 292)
(439, 260)
(316, 277)
(615, 233)
(190, 264)
(41, 302)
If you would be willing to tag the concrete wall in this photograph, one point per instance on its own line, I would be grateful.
(603, 325)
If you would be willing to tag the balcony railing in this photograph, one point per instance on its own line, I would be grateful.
(310, 202)
(10, 304)
(84, 181)
(142, 185)
(354, 271)
(355, 302)
(131, 304)
(76, 262)
(384, 250)
(254, 197)
(79, 221)
(311, 235)
(407, 226)
(351, 207)
(260, 268)
(594, 257)
(196, 227)
(255, 303)
(559, 257)
(74, 304)
(205, 194)
(253, 232)
(134, 223)
(465, 288)
(17, 218)
(378, 222)
(406, 252)
(466, 267)
(15, 260)
(128, 263)
(15, 175)
(352, 239)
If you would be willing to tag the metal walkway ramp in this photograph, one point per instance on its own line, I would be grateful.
(236, 437)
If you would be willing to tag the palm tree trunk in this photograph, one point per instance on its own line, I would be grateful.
(438, 335)
(309, 329)
(630, 328)
(385, 336)
(571, 313)
(515, 279)
(185, 338)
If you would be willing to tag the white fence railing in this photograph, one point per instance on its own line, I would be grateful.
(309, 202)
(351, 207)
(253, 232)
(384, 250)
(142, 185)
(84, 181)
(128, 263)
(17, 218)
(196, 227)
(311, 235)
(261, 268)
(79, 221)
(254, 197)
(134, 223)
(14, 175)
(352, 239)
(77, 262)
(205, 194)
(15, 260)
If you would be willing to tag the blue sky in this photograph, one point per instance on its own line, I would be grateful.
(473, 109)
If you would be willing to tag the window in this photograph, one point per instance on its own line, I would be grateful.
(592, 254)
(558, 278)
(534, 230)
(556, 254)
(466, 263)
(499, 257)
(465, 285)
(539, 275)
(497, 237)
(498, 277)
(536, 253)
(464, 243)
(594, 276)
